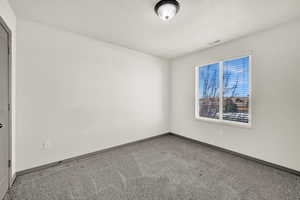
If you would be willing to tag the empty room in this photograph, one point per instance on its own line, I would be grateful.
(149, 100)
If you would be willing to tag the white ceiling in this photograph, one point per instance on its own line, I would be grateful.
(133, 23)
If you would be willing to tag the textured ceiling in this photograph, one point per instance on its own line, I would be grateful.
(133, 23)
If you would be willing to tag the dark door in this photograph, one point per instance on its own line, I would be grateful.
(4, 113)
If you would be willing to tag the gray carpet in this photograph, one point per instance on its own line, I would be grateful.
(164, 168)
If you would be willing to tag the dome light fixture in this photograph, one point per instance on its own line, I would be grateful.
(167, 9)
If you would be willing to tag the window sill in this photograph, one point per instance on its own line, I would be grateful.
(224, 122)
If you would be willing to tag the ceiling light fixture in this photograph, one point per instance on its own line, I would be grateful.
(166, 9)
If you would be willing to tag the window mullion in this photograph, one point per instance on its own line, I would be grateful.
(221, 90)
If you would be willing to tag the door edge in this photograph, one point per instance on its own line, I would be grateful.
(10, 106)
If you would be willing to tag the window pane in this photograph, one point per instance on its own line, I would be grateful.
(236, 90)
(209, 91)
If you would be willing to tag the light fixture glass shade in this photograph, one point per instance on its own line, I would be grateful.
(167, 11)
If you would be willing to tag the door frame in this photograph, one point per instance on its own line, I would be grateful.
(8, 30)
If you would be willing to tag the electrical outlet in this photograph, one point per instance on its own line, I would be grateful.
(47, 144)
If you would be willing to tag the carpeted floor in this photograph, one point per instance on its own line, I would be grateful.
(164, 168)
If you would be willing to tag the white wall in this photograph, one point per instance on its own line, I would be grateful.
(9, 17)
(83, 95)
(275, 134)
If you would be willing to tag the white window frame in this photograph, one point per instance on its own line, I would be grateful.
(221, 71)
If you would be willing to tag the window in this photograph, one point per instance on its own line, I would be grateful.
(223, 91)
